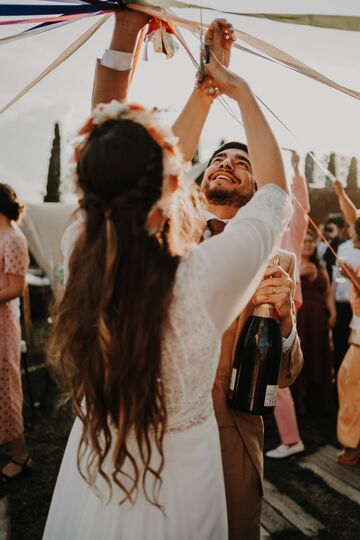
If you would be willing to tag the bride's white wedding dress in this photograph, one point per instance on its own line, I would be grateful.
(213, 284)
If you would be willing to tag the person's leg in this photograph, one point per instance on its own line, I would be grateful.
(19, 456)
(286, 422)
(348, 425)
(242, 486)
(285, 417)
(341, 332)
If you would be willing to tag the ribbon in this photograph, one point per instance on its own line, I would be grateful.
(271, 51)
(39, 29)
(59, 60)
(322, 237)
(263, 46)
(11, 10)
(333, 22)
(59, 18)
(160, 33)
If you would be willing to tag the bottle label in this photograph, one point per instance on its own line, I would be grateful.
(233, 377)
(270, 395)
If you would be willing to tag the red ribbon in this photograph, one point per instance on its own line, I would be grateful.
(156, 24)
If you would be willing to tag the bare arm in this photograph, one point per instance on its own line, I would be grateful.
(347, 206)
(110, 83)
(264, 150)
(14, 289)
(299, 186)
(329, 301)
(189, 124)
(191, 120)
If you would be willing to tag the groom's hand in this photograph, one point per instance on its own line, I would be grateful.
(220, 36)
(276, 289)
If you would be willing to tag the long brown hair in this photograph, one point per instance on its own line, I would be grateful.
(108, 327)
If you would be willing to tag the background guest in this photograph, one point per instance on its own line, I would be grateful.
(292, 240)
(315, 317)
(14, 262)
(342, 286)
(334, 229)
(348, 425)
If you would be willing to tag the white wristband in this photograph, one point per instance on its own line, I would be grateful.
(121, 61)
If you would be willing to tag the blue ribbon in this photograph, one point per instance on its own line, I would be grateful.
(11, 10)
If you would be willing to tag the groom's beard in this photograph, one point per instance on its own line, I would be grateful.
(224, 197)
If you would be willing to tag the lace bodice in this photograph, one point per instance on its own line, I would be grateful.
(213, 284)
(191, 349)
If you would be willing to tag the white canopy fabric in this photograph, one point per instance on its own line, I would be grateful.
(43, 226)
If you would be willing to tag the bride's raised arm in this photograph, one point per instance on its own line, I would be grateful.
(112, 74)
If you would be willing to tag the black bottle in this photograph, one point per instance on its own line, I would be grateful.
(254, 379)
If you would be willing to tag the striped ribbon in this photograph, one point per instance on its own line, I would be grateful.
(260, 45)
(333, 22)
(59, 60)
(272, 53)
(257, 43)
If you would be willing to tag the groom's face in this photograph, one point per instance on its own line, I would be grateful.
(228, 180)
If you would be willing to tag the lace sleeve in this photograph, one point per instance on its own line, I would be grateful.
(236, 259)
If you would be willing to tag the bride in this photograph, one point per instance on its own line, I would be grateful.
(138, 330)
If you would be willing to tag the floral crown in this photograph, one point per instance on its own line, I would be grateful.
(173, 162)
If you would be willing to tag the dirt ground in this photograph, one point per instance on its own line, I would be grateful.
(47, 434)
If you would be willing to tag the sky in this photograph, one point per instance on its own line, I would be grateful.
(321, 118)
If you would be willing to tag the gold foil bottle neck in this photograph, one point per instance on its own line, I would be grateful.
(265, 310)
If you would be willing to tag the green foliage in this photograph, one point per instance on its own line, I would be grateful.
(53, 179)
(331, 168)
(309, 168)
(351, 181)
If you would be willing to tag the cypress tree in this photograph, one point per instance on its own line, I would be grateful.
(332, 168)
(351, 181)
(309, 168)
(53, 179)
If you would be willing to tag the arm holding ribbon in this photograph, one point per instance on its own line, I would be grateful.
(112, 82)
(113, 72)
(189, 124)
(347, 206)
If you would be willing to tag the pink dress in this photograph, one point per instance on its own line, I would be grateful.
(13, 260)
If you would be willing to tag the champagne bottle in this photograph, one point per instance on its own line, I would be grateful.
(255, 374)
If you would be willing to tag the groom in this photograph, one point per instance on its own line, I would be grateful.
(228, 184)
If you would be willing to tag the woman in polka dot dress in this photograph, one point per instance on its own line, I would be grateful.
(14, 262)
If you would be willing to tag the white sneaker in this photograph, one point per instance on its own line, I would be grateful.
(284, 450)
